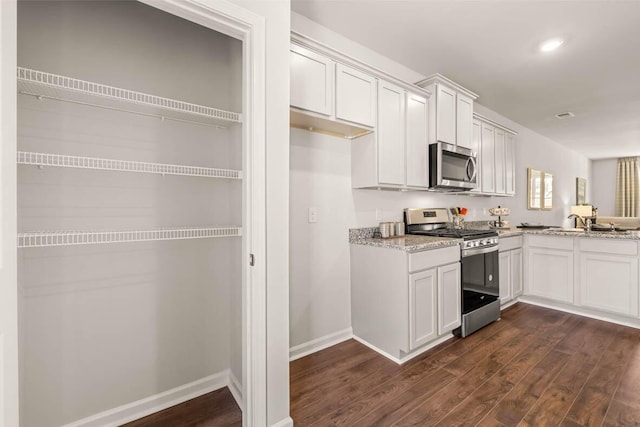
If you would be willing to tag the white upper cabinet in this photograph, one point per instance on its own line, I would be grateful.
(355, 96)
(510, 165)
(417, 141)
(451, 118)
(390, 134)
(312, 81)
(488, 158)
(445, 114)
(499, 164)
(464, 121)
(496, 157)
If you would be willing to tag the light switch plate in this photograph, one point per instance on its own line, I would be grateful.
(313, 214)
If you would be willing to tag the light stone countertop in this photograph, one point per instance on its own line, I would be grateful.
(413, 243)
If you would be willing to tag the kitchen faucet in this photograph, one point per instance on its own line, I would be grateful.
(585, 223)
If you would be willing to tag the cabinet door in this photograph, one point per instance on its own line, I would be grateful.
(516, 272)
(464, 121)
(609, 282)
(510, 165)
(417, 142)
(504, 261)
(422, 308)
(355, 96)
(499, 150)
(550, 274)
(476, 147)
(312, 81)
(390, 134)
(449, 298)
(488, 157)
(445, 114)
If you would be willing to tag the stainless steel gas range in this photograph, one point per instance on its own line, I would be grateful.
(479, 259)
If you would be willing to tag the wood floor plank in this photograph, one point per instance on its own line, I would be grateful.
(534, 367)
(621, 414)
(214, 409)
(552, 406)
(545, 364)
(590, 407)
(430, 411)
(473, 409)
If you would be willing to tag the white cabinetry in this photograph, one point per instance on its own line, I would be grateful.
(464, 121)
(449, 297)
(510, 262)
(487, 167)
(312, 81)
(452, 111)
(329, 96)
(496, 157)
(549, 269)
(401, 302)
(355, 96)
(423, 326)
(396, 156)
(608, 276)
(390, 134)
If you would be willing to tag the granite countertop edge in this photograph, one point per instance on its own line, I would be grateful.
(408, 243)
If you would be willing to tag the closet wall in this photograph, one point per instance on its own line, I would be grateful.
(105, 325)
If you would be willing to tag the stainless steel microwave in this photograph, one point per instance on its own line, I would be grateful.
(451, 168)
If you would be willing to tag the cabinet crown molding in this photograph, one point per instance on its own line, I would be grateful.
(440, 79)
(492, 123)
(343, 58)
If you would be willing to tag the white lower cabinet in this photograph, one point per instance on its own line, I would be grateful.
(422, 300)
(550, 267)
(510, 263)
(504, 262)
(449, 298)
(608, 276)
(401, 302)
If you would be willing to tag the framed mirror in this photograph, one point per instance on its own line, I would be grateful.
(539, 190)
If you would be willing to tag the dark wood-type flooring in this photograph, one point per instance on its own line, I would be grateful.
(534, 367)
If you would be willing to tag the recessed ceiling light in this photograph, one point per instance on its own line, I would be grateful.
(551, 44)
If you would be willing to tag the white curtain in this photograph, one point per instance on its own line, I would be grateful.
(628, 187)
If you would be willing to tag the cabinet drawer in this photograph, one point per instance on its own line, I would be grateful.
(509, 243)
(551, 242)
(609, 246)
(432, 258)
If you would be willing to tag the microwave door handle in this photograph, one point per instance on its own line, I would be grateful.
(471, 161)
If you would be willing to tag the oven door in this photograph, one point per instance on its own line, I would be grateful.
(480, 279)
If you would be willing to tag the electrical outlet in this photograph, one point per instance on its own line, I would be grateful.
(313, 214)
(378, 214)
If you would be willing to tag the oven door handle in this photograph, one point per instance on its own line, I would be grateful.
(479, 251)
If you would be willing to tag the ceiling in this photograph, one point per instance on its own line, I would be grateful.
(491, 47)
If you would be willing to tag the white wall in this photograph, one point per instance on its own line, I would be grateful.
(321, 177)
(603, 186)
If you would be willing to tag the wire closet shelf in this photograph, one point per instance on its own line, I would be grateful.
(65, 161)
(71, 238)
(62, 88)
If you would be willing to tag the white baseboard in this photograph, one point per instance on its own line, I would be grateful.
(318, 344)
(287, 422)
(582, 311)
(409, 356)
(235, 387)
(149, 405)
